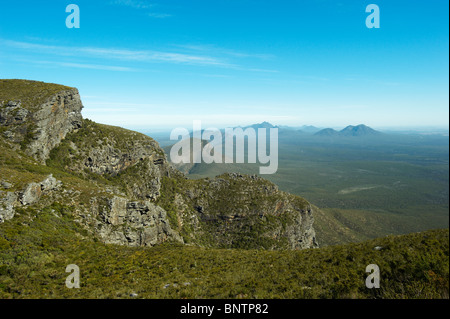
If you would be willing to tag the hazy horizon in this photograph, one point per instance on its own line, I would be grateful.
(155, 64)
(398, 129)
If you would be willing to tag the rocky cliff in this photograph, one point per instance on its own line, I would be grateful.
(37, 118)
(120, 186)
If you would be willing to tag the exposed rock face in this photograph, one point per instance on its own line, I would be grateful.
(50, 184)
(57, 117)
(244, 211)
(139, 199)
(13, 114)
(110, 151)
(29, 196)
(107, 158)
(34, 191)
(44, 129)
(134, 223)
(7, 202)
(301, 233)
(6, 185)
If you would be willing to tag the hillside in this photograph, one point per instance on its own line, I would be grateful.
(36, 247)
(73, 191)
(121, 187)
(365, 186)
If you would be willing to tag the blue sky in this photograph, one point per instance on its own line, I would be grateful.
(162, 64)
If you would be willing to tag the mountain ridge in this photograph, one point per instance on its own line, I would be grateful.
(128, 193)
(107, 200)
(360, 130)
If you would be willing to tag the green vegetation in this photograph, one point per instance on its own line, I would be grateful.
(249, 221)
(75, 149)
(92, 134)
(365, 187)
(240, 229)
(20, 170)
(30, 93)
(36, 247)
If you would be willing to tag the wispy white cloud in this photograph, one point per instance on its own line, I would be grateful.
(224, 53)
(95, 67)
(135, 4)
(81, 66)
(121, 54)
(212, 49)
(96, 56)
(142, 5)
(77, 65)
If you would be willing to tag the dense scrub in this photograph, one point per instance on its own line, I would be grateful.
(36, 247)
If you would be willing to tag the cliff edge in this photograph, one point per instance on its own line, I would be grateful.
(120, 185)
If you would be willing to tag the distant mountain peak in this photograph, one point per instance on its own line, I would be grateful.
(327, 132)
(309, 129)
(351, 130)
(359, 130)
(266, 125)
(262, 125)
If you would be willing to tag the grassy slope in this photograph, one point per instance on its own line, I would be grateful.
(19, 169)
(30, 93)
(35, 248)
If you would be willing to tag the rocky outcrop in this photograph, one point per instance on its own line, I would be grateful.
(133, 223)
(131, 195)
(40, 131)
(60, 115)
(29, 196)
(243, 211)
(7, 203)
(108, 158)
(110, 151)
(34, 191)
